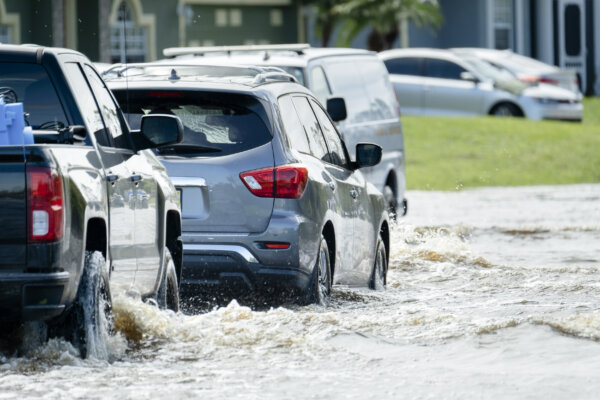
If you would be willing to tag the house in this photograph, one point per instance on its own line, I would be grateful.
(138, 30)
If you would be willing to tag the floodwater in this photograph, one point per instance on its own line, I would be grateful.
(492, 293)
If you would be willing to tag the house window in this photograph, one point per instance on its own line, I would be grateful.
(224, 17)
(221, 17)
(503, 24)
(127, 40)
(276, 17)
(235, 17)
(5, 36)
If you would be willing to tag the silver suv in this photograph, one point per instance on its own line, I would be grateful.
(353, 76)
(271, 201)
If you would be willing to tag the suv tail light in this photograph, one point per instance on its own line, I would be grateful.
(286, 181)
(44, 205)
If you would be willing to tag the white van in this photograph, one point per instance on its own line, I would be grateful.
(369, 111)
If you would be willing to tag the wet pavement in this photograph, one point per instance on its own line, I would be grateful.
(492, 293)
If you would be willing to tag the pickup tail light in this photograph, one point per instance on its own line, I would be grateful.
(286, 181)
(44, 205)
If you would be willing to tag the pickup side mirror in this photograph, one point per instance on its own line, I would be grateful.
(467, 76)
(161, 130)
(367, 155)
(336, 108)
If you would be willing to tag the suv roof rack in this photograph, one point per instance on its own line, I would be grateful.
(259, 74)
(297, 48)
(273, 76)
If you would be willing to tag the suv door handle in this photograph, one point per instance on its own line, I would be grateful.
(135, 178)
(111, 178)
(353, 193)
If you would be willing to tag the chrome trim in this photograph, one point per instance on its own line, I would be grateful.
(242, 251)
(188, 181)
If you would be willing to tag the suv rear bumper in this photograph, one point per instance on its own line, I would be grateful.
(32, 296)
(233, 269)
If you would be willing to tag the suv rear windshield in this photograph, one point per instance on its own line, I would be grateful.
(29, 84)
(214, 124)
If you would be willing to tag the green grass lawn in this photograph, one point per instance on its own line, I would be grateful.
(450, 153)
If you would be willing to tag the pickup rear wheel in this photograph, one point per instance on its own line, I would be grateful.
(90, 322)
(168, 293)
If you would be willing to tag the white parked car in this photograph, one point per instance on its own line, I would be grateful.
(352, 84)
(525, 68)
(441, 82)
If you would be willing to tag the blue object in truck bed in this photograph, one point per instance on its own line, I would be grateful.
(12, 125)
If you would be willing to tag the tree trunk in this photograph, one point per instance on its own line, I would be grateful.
(327, 30)
(375, 41)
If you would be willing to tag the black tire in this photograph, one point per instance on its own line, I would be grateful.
(319, 289)
(378, 279)
(90, 321)
(168, 292)
(390, 201)
(506, 110)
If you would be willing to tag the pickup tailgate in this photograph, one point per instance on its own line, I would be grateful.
(13, 214)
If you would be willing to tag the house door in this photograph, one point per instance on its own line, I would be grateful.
(571, 38)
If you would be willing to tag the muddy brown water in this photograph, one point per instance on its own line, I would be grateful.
(492, 293)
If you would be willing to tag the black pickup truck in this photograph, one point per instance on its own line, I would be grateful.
(85, 210)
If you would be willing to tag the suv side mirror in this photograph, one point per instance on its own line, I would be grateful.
(336, 108)
(161, 130)
(367, 155)
(469, 77)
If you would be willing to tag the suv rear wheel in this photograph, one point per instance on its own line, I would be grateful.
(320, 287)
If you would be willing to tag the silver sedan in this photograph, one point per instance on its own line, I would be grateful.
(440, 82)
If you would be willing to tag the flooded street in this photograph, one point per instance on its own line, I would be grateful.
(492, 293)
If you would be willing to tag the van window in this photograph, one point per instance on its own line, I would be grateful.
(346, 82)
(380, 92)
(311, 126)
(337, 154)
(319, 85)
(436, 68)
(404, 66)
(29, 84)
(292, 125)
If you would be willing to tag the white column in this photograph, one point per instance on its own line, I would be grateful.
(545, 31)
(490, 24)
(519, 27)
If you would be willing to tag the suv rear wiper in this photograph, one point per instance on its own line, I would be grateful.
(187, 149)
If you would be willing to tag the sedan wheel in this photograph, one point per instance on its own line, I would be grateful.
(506, 110)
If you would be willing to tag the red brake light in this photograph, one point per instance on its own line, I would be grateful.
(277, 245)
(547, 80)
(287, 181)
(44, 205)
